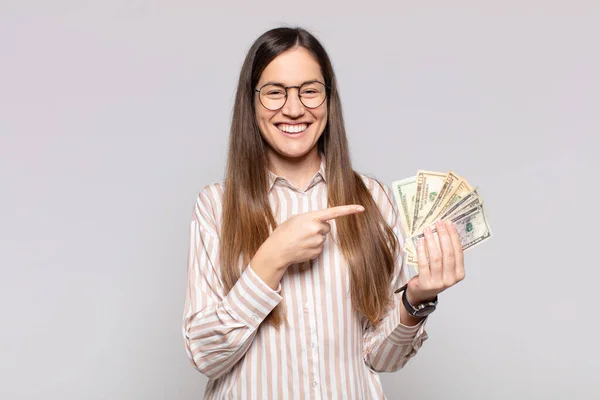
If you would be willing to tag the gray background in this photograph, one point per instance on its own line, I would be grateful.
(113, 115)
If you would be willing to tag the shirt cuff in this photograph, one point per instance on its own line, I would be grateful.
(400, 334)
(251, 300)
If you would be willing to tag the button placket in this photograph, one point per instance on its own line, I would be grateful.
(311, 348)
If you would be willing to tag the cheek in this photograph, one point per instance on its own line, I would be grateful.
(263, 119)
(323, 116)
(323, 112)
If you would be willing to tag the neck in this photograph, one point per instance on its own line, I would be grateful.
(297, 170)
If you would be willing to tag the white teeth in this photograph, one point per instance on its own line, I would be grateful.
(292, 128)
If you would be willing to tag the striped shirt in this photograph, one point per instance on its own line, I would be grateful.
(326, 350)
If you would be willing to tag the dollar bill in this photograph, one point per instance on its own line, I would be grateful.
(412, 260)
(429, 184)
(460, 204)
(430, 196)
(467, 207)
(404, 192)
(408, 248)
(463, 189)
(472, 226)
(470, 203)
(448, 187)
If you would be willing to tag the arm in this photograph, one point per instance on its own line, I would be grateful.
(219, 328)
(394, 341)
(398, 336)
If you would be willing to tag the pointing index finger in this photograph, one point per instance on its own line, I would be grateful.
(338, 211)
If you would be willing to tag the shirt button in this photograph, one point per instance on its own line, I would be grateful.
(312, 345)
(307, 305)
(305, 267)
(255, 319)
(315, 384)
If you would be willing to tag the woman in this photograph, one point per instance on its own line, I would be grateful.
(294, 256)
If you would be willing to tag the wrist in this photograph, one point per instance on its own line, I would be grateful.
(265, 265)
(415, 300)
(418, 306)
(270, 257)
(408, 319)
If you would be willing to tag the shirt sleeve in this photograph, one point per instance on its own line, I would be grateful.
(219, 327)
(391, 344)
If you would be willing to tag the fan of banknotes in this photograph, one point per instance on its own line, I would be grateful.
(430, 196)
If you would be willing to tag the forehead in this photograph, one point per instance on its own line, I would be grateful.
(292, 68)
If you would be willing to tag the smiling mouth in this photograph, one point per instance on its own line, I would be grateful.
(296, 128)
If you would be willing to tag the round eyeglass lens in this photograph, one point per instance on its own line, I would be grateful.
(312, 95)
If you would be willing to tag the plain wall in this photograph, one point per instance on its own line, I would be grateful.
(115, 114)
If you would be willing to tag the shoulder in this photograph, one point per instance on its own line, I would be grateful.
(383, 196)
(209, 201)
(380, 191)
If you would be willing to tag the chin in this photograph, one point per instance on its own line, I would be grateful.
(293, 153)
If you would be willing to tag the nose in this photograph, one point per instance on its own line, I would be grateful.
(293, 107)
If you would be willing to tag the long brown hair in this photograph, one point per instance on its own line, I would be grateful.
(365, 240)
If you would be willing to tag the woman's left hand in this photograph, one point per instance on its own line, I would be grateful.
(444, 268)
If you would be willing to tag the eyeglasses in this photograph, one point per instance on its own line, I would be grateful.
(274, 96)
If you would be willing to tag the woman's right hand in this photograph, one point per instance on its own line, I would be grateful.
(301, 237)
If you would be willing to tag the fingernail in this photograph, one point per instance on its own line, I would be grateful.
(360, 208)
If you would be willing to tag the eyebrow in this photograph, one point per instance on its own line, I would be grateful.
(281, 84)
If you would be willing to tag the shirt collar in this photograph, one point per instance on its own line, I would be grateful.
(319, 175)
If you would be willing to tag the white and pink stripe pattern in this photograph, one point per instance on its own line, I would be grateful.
(325, 349)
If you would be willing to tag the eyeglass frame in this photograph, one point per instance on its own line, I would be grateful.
(292, 87)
